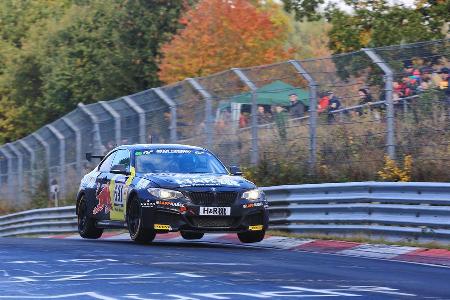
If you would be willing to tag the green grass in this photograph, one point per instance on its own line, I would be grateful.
(360, 239)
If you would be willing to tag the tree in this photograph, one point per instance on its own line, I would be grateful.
(86, 51)
(219, 35)
(376, 23)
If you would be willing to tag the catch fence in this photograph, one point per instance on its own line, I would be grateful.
(382, 101)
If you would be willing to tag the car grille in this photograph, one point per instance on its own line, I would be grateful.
(212, 221)
(254, 219)
(213, 199)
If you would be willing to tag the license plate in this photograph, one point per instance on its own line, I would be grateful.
(215, 211)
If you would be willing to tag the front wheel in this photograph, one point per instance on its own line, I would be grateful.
(251, 237)
(86, 224)
(134, 222)
(191, 235)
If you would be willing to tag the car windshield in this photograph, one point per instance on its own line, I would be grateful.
(177, 161)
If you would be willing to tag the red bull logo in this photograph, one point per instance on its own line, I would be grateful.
(104, 200)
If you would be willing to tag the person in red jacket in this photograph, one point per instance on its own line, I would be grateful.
(324, 102)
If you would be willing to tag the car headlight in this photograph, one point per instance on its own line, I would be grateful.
(252, 195)
(164, 194)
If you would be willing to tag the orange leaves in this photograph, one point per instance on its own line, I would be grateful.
(218, 35)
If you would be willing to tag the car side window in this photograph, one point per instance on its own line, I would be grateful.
(105, 166)
(122, 158)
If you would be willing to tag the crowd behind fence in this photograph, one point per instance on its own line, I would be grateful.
(341, 111)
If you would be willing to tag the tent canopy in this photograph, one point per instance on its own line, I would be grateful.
(274, 93)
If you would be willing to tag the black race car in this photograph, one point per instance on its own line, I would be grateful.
(152, 189)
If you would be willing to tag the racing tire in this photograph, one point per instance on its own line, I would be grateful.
(251, 237)
(191, 235)
(138, 233)
(86, 224)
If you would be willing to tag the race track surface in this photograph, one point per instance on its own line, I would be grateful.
(119, 269)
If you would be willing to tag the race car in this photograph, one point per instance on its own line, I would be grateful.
(160, 188)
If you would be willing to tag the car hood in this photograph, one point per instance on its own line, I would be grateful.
(176, 180)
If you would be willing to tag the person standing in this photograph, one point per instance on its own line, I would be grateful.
(297, 108)
(281, 120)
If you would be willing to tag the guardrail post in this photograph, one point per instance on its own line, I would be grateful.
(173, 113)
(254, 155)
(389, 78)
(208, 110)
(10, 182)
(19, 156)
(62, 160)
(32, 163)
(312, 84)
(116, 117)
(78, 154)
(141, 113)
(47, 154)
(98, 147)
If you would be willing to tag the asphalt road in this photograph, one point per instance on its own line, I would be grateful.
(104, 269)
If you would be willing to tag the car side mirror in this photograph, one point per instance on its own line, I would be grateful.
(235, 170)
(120, 169)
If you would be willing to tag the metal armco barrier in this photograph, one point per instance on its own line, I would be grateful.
(391, 210)
(394, 210)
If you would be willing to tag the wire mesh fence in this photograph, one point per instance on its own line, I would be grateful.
(336, 113)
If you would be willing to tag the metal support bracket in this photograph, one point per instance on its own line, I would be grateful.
(390, 119)
(78, 154)
(173, 113)
(312, 84)
(141, 113)
(32, 162)
(254, 155)
(47, 153)
(98, 147)
(208, 110)
(20, 174)
(10, 183)
(116, 117)
(62, 159)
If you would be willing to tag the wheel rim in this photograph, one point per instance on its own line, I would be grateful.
(82, 215)
(133, 217)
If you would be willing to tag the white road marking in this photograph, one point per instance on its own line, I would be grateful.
(198, 263)
(188, 274)
(76, 296)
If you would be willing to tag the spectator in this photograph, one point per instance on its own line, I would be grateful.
(281, 120)
(324, 102)
(444, 84)
(334, 105)
(365, 98)
(297, 108)
(263, 117)
(243, 120)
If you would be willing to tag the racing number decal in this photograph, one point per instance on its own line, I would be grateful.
(118, 188)
(118, 195)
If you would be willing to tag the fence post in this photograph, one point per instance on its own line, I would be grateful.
(254, 155)
(32, 162)
(19, 156)
(117, 124)
(389, 77)
(47, 155)
(141, 113)
(98, 147)
(62, 160)
(312, 84)
(78, 154)
(208, 110)
(173, 113)
(10, 182)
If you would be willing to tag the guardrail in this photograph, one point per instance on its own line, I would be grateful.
(394, 210)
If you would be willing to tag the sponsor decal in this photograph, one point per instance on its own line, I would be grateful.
(251, 205)
(104, 199)
(88, 181)
(168, 203)
(162, 227)
(255, 227)
(142, 184)
(207, 180)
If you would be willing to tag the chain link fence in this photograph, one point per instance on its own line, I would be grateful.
(341, 111)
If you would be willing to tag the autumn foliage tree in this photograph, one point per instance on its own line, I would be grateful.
(219, 35)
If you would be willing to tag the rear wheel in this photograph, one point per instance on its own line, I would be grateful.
(251, 237)
(86, 224)
(192, 235)
(134, 221)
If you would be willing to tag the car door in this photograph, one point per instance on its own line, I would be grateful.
(102, 193)
(118, 184)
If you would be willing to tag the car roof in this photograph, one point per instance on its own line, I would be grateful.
(158, 146)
